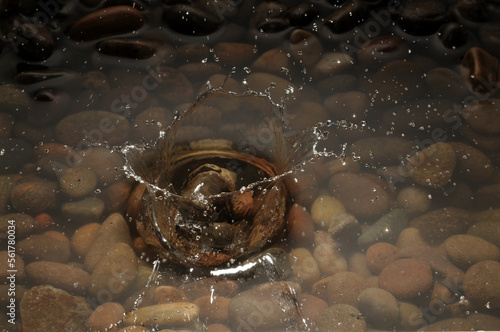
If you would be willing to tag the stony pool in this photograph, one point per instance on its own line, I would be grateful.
(238, 165)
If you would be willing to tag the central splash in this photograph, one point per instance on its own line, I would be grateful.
(212, 189)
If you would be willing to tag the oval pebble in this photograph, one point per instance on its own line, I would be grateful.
(379, 255)
(344, 288)
(78, 182)
(107, 22)
(71, 279)
(43, 248)
(341, 317)
(467, 250)
(324, 209)
(34, 197)
(380, 308)
(105, 316)
(406, 278)
(213, 309)
(482, 285)
(165, 315)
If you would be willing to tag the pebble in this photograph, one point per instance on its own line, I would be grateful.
(487, 196)
(344, 288)
(483, 322)
(301, 14)
(82, 129)
(234, 54)
(332, 63)
(467, 250)
(414, 200)
(53, 77)
(116, 195)
(336, 84)
(350, 105)
(126, 101)
(210, 286)
(451, 275)
(482, 286)
(305, 47)
(433, 166)
(480, 72)
(272, 61)
(134, 328)
(89, 209)
(262, 81)
(379, 255)
(83, 237)
(327, 255)
(305, 269)
(437, 225)
(380, 308)
(265, 307)
(344, 229)
(16, 152)
(25, 225)
(300, 226)
(114, 274)
(54, 158)
(341, 317)
(107, 165)
(169, 294)
(449, 324)
(137, 49)
(473, 166)
(361, 196)
(423, 17)
(482, 115)
(299, 120)
(148, 123)
(445, 83)
(199, 71)
(358, 264)
(113, 230)
(105, 316)
(173, 86)
(166, 315)
(411, 316)
(109, 21)
(303, 186)
(311, 308)
(410, 237)
(34, 197)
(43, 248)
(324, 209)
(191, 21)
(78, 182)
(386, 229)
(48, 107)
(347, 17)
(217, 328)
(381, 50)
(406, 278)
(70, 279)
(14, 100)
(381, 150)
(213, 309)
(45, 308)
(487, 226)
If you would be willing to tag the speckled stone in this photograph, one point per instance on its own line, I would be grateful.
(466, 250)
(386, 229)
(406, 278)
(433, 166)
(482, 286)
(71, 279)
(341, 317)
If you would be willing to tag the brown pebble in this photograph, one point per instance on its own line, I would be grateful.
(345, 287)
(482, 285)
(217, 328)
(450, 324)
(358, 265)
(43, 248)
(483, 116)
(472, 165)
(480, 71)
(300, 226)
(210, 286)
(466, 250)
(380, 308)
(24, 223)
(169, 294)
(78, 182)
(341, 318)
(231, 53)
(305, 47)
(33, 197)
(107, 22)
(406, 278)
(305, 269)
(71, 279)
(433, 166)
(213, 309)
(83, 237)
(379, 255)
(104, 316)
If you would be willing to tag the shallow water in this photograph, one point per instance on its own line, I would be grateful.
(373, 139)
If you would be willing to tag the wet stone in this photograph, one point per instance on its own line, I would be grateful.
(450, 324)
(43, 248)
(138, 49)
(483, 321)
(305, 269)
(347, 17)
(466, 250)
(300, 226)
(191, 21)
(380, 308)
(92, 127)
(453, 35)
(406, 278)
(54, 77)
(104, 316)
(489, 35)
(68, 278)
(344, 288)
(25, 224)
(207, 286)
(48, 107)
(480, 71)
(381, 50)
(439, 224)
(327, 255)
(379, 255)
(483, 115)
(344, 229)
(213, 309)
(82, 238)
(107, 165)
(164, 315)
(473, 165)
(232, 53)
(78, 182)
(272, 61)
(15, 153)
(332, 63)
(45, 308)
(173, 86)
(386, 229)
(486, 226)
(423, 17)
(433, 166)
(34, 197)
(89, 209)
(482, 286)
(6, 124)
(341, 317)
(114, 274)
(414, 200)
(324, 209)
(383, 150)
(305, 47)
(351, 105)
(6, 267)
(445, 83)
(107, 22)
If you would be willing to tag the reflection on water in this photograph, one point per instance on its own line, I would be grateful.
(165, 165)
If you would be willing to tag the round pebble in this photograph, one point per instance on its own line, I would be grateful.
(379, 255)
(433, 167)
(344, 288)
(104, 316)
(380, 308)
(406, 278)
(324, 209)
(482, 286)
(78, 182)
(414, 200)
(467, 250)
(305, 269)
(213, 309)
(33, 197)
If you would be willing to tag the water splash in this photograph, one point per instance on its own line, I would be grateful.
(211, 189)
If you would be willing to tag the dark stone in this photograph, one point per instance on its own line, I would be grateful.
(15, 153)
(453, 35)
(273, 25)
(49, 106)
(129, 48)
(423, 17)
(47, 75)
(383, 49)
(191, 21)
(302, 14)
(473, 10)
(346, 18)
